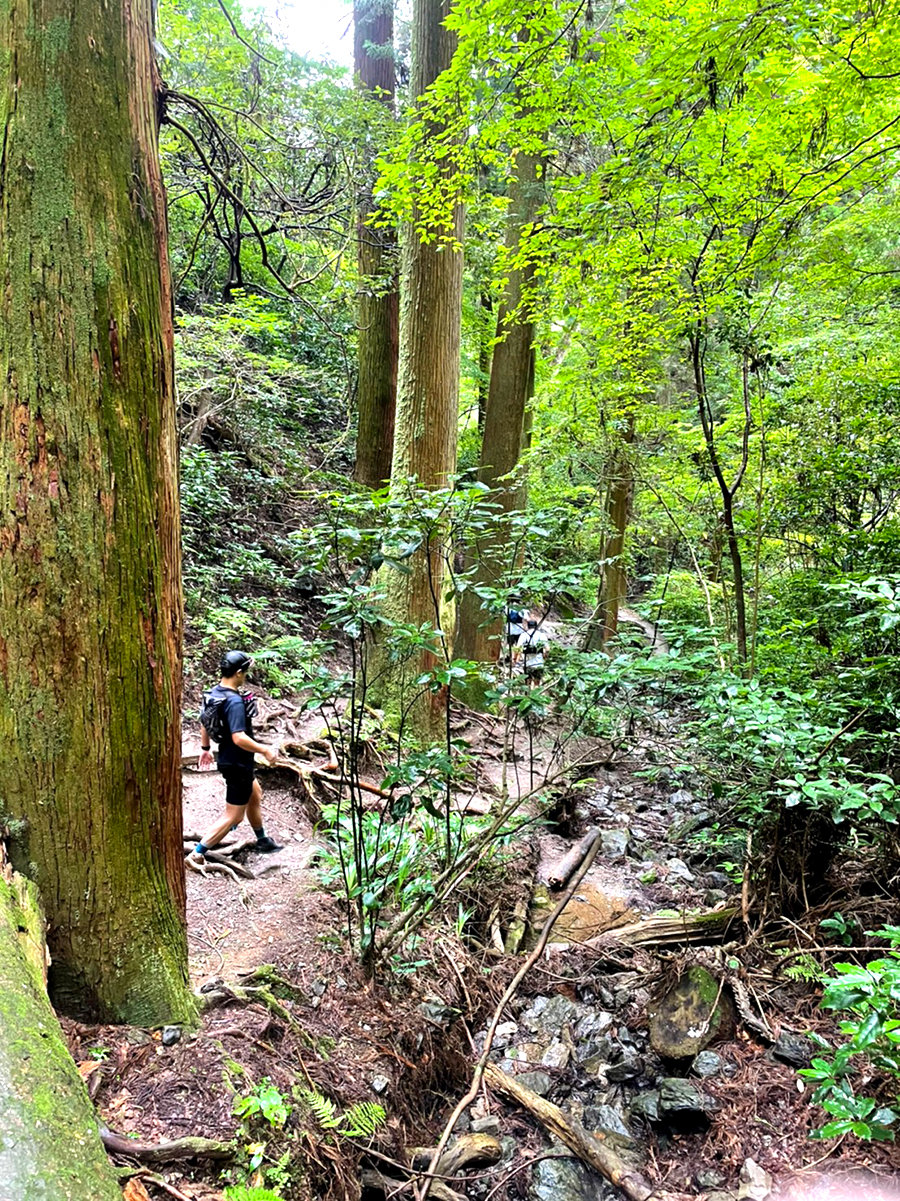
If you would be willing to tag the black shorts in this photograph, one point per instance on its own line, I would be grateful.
(238, 783)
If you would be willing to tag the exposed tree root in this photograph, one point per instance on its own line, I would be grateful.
(168, 1152)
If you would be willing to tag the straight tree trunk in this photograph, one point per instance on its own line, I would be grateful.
(379, 301)
(428, 387)
(90, 592)
(511, 387)
(604, 623)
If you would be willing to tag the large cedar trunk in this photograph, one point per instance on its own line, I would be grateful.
(428, 388)
(49, 1142)
(379, 302)
(90, 599)
(511, 386)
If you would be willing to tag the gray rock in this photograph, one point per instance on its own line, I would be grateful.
(706, 1064)
(756, 1183)
(681, 1099)
(551, 1014)
(679, 870)
(380, 1084)
(562, 1178)
(614, 843)
(609, 1120)
(592, 1023)
(646, 1105)
(438, 1014)
(556, 1056)
(693, 1014)
(793, 1049)
(720, 1195)
(710, 1179)
(714, 896)
(505, 1033)
(538, 1082)
(627, 1068)
(718, 880)
(681, 798)
(171, 1035)
(488, 1125)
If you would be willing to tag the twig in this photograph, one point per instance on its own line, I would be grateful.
(512, 988)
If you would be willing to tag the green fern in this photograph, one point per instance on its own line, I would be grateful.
(240, 1192)
(323, 1109)
(805, 969)
(362, 1120)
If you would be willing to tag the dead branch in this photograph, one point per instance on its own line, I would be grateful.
(589, 1149)
(560, 875)
(168, 1152)
(663, 931)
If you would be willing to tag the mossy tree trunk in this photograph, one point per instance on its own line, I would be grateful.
(428, 389)
(511, 387)
(378, 310)
(90, 597)
(50, 1146)
(604, 622)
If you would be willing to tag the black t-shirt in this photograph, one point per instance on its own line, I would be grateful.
(237, 721)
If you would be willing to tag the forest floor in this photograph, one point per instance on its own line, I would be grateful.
(333, 1031)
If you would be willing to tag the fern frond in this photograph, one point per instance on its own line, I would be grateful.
(362, 1120)
(323, 1109)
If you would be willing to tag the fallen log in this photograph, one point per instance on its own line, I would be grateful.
(49, 1140)
(168, 1152)
(589, 1149)
(469, 1151)
(664, 930)
(378, 1182)
(562, 873)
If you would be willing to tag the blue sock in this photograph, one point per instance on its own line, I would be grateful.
(200, 849)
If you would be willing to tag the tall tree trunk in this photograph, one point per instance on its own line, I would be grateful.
(428, 387)
(726, 490)
(604, 622)
(90, 591)
(50, 1145)
(511, 387)
(379, 301)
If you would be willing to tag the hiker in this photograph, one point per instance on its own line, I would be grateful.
(230, 713)
(515, 628)
(532, 644)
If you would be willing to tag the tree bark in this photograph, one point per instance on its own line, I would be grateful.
(604, 622)
(90, 589)
(379, 300)
(49, 1141)
(511, 386)
(428, 388)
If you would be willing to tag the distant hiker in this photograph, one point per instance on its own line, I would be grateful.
(515, 628)
(227, 718)
(532, 644)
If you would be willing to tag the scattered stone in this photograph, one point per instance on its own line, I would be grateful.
(556, 1056)
(793, 1049)
(681, 798)
(646, 1105)
(720, 1195)
(680, 1099)
(171, 1035)
(608, 1120)
(505, 1033)
(562, 1178)
(626, 1069)
(692, 1015)
(380, 1084)
(718, 880)
(756, 1183)
(715, 896)
(614, 843)
(678, 869)
(550, 1014)
(593, 1022)
(710, 1179)
(707, 1064)
(441, 1015)
(487, 1125)
(538, 1082)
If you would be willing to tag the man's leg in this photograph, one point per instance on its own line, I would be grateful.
(255, 818)
(234, 815)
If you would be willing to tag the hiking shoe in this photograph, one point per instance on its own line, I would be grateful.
(267, 845)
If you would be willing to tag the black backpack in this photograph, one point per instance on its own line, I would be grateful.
(212, 714)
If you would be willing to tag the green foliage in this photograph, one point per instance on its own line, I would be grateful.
(362, 1120)
(264, 1102)
(242, 1192)
(870, 996)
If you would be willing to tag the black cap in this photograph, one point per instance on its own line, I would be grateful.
(234, 661)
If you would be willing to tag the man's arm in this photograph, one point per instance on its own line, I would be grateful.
(205, 749)
(246, 743)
